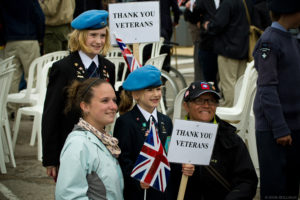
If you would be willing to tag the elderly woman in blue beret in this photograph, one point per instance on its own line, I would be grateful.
(88, 43)
(131, 128)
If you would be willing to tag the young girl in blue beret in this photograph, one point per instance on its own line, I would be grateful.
(131, 128)
(88, 43)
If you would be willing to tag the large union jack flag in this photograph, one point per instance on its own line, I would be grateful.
(152, 166)
(132, 63)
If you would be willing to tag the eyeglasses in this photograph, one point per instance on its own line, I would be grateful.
(200, 101)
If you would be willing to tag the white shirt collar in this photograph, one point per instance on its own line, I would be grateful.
(146, 114)
(217, 3)
(87, 60)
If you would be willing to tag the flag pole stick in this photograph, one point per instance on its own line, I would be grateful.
(136, 51)
(182, 187)
(145, 194)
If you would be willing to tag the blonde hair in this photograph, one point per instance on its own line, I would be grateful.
(77, 41)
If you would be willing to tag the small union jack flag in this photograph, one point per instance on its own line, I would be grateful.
(132, 63)
(179, 2)
(152, 166)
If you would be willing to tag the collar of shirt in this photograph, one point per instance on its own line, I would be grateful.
(87, 60)
(278, 26)
(147, 114)
(217, 3)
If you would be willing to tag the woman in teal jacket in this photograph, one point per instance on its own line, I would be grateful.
(88, 165)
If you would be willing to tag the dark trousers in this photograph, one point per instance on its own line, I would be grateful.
(279, 166)
(208, 60)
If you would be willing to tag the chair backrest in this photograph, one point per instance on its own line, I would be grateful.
(114, 52)
(243, 97)
(6, 63)
(155, 51)
(121, 70)
(44, 82)
(238, 115)
(178, 104)
(237, 89)
(5, 82)
(157, 61)
(41, 61)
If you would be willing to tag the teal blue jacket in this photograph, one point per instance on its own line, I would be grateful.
(87, 169)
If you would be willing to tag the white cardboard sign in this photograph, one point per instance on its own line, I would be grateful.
(192, 142)
(134, 22)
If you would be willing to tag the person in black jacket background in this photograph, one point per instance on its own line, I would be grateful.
(23, 31)
(231, 30)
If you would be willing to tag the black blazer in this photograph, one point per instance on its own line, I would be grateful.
(55, 124)
(130, 130)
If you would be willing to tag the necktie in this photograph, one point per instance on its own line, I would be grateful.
(153, 119)
(92, 70)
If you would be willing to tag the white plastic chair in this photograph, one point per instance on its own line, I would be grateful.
(114, 52)
(250, 138)
(155, 51)
(6, 63)
(120, 68)
(36, 111)
(5, 141)
(157, 61)
(178, 104)
(238, 115)
(237, 89)
(30, 94)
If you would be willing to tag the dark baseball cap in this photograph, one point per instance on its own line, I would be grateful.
(198, 88)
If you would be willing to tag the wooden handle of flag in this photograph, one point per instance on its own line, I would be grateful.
(136, 51)
(182, 187)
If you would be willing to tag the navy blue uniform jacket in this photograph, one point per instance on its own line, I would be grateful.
(55, 124)
(130, 132)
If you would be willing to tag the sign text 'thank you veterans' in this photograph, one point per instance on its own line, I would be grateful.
(192, 142)
(135, 22)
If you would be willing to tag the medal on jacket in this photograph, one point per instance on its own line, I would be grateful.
(144, 128)
(79, 71)
(105, 74)
(164, 130)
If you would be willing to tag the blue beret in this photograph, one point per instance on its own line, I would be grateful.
(141, 78)
(91, 19)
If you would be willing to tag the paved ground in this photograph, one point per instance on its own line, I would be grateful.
(28, 181)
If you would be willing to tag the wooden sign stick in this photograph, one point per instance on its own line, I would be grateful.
(136, 51)
(182, 187)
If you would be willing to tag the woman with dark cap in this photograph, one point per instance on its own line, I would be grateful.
(88, 165)
(277, 103)
(89, 39)
(230, 174)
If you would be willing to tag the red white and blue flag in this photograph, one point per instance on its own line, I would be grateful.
(179, 2)
(152, 166)
(132, 63)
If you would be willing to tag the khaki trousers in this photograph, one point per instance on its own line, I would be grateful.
(25, 51)
(229, 71)
(56, 38)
